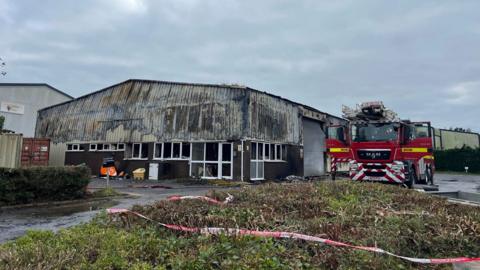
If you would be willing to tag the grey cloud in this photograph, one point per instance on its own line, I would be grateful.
(421, 58)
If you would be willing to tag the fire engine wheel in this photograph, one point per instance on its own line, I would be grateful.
(411, 178)
(429, 176)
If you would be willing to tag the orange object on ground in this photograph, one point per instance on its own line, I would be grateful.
(111, 171)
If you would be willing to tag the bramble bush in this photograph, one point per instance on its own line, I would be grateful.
(457, 159)
(26, 185)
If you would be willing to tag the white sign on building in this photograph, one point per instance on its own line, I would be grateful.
(11, 107)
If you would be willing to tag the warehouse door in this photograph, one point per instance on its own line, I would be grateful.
(212, 160)
(313, 148)
(256, 161)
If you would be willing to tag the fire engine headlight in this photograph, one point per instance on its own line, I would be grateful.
(353, 166)
(397, 167)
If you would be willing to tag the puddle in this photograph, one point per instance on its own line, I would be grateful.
(64, 210)
(15, 222)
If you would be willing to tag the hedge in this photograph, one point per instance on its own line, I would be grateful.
(457, 159)
(27, 185)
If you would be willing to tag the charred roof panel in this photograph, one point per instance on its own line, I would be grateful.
(145, 111)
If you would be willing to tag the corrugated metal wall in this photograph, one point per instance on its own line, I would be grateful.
(10, 150)
(273, 119)
(451, 139)
(148, 111)
(57, 154)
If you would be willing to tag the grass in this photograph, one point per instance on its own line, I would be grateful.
(398, 220)
(105, 192)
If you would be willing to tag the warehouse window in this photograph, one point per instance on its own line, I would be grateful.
(212, 160)
(107, 147)
(172, 150)
(185, 150)
(267, 152)
(176, 150)
(157, 152)
(75, 147)
(121, 147)
(140, 151)
(274, 152)
(167, 150)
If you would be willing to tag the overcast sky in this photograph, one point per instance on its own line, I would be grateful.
(422, 58)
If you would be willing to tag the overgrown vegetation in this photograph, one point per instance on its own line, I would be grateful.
(106, 192)
(399, 220)
(2, 121)
(457, 159)
(35, 184)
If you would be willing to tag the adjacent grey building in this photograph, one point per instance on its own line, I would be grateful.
(20, 102)
(180, 130)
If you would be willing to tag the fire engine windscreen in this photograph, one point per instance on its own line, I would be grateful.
(375, 132)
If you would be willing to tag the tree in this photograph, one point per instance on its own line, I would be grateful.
(2, 67)
(2, 121)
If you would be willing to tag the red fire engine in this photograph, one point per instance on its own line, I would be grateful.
(378, 146)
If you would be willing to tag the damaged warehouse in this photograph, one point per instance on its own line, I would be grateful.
(181, 130)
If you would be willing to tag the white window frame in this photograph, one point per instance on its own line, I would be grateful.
(162, 155)
(284, 153)
(123, 147)
(258, 160)
(74, 145)
(219, 162)
(155, 151)
(109, 145)
(139, 153)
(179, 151)
(91, 148)
(273, 149)
(105, 149)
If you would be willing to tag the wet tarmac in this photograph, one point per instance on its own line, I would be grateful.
(458, 182)
(15, 222)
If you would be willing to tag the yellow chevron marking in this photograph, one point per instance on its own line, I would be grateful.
(415, 150)
(339, 150)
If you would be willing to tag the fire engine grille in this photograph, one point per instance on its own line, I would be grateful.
(373, 154)
(375, 174)
(374, 167)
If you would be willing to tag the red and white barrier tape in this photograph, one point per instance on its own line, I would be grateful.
(273, 234)
(204, 198)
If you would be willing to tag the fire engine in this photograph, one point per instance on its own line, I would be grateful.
(378, 146)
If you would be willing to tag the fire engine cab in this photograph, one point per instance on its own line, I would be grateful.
(379, 146)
